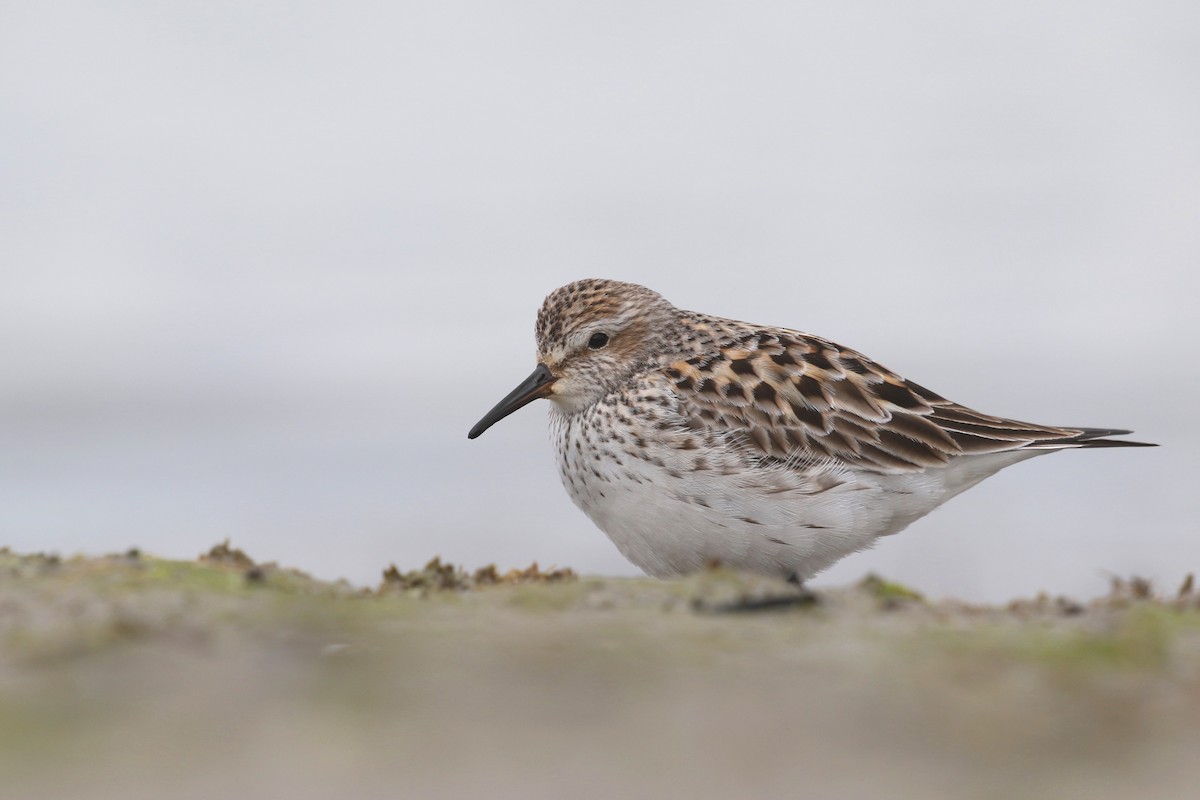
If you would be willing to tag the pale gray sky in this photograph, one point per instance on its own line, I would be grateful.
(264, 264)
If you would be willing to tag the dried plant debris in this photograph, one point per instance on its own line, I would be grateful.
(226, 556)
(1044, 604)
(437, 576)
(1127, 591)
(1122, 593)
(434, 575)
(14, 565)
(1134, 588)
(531, 574)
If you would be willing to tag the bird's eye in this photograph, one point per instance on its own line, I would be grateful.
(598, 340)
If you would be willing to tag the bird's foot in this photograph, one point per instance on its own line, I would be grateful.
(726, 592)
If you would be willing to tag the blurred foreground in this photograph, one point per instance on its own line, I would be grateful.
(130, 676)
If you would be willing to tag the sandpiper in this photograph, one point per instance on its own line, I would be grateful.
(691, 439)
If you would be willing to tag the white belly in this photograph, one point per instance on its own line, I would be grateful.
(669, 518)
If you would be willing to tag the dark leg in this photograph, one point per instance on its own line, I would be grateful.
(753, 596)
(804, 594)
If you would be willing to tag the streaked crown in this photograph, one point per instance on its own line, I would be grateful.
(589, 303)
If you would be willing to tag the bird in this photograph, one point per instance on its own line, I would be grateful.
(692, 440)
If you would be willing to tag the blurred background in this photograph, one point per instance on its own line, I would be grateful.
(263, 265)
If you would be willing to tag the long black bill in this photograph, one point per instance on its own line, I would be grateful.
(535, 386)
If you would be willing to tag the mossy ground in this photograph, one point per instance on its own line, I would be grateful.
(132, 676)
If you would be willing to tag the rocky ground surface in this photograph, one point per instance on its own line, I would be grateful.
(129, 676)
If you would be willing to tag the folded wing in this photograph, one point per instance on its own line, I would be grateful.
(795, 397)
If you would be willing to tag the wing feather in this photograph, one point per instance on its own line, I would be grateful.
(794, 398)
